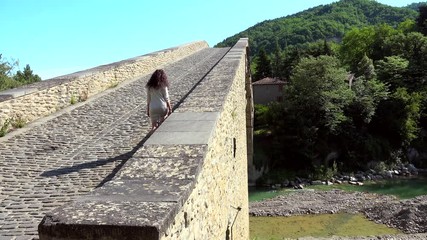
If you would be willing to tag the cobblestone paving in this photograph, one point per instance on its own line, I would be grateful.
(54, 162)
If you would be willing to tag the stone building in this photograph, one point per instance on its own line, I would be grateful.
(268, 90)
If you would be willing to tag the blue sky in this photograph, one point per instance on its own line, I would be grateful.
(57, 37)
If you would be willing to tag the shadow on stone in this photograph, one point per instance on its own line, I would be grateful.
(94, 164)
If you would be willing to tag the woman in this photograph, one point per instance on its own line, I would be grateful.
(158, 104)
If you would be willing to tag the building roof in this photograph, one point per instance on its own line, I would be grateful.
(269, 81)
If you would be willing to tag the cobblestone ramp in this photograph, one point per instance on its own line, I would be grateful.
(60, 159)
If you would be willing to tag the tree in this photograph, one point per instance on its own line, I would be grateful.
(354, 141)
(263, 65)
(415, 50)
(317, 95)
(318, 86)
(26, 76)
(393, 70)
(356, 44)
(422, 19)
(293, 54)
(327, 50)
(412, 47)
(406, 26)
(379, 49)
(8, 80)
(396, 120)
(365, 68)
(6, 67)
(277, 58)
(368, 94)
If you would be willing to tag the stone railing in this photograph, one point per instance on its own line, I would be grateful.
(188, 181)
(40, 99)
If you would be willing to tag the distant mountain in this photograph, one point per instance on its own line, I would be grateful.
(328, 22)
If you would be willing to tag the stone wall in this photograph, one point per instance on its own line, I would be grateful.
(267, 93)
(217, 207)
(37, 100)
(188, 181)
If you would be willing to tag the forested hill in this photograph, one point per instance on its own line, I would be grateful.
(328, 22)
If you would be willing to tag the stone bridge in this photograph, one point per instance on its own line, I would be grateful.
(88, 167)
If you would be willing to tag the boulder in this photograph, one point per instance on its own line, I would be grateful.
(317, 182)
(285, 183)
(360, 177)
(337, 181)
(412, 169)
(388, 174)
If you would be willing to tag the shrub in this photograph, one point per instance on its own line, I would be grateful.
(73, 99)
(5, 128)
(324, 172)
(18, 122)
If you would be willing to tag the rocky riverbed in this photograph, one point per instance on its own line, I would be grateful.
(409, 216)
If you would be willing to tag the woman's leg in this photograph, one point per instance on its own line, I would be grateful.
(158, 115)
(154, 117)
(153, 125)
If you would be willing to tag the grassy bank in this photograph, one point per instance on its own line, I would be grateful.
(401, 188)
(324, 225)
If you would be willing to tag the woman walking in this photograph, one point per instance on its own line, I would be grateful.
(158, 104)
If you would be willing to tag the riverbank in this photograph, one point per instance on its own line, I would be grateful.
(409, 215)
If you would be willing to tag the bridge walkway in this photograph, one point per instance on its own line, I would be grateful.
(56, 159)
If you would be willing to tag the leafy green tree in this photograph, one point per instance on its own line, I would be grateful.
(353, 139)
(293, 54)
(422, 19)
(382, 33)
(319, 85)
(317, 96)
(261, 116)
(368, 94)
(26, 76)
(365, 68)
(263, 66)
(6, 67)
(415, 50)
(396, 120)
(356, 44)
(291, 57)
(8, 80)
(327, 49)
(368, 41)
(407, 26)
(393, 70)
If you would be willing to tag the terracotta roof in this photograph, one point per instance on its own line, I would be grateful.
(269, 81)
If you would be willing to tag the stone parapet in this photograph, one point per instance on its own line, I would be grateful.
(31, 102)
(187, 181)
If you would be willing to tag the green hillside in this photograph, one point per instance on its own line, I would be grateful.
(328, 22)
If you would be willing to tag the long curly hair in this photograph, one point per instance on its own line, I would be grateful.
(158, 80)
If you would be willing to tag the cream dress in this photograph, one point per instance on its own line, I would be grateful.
(157, 100)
